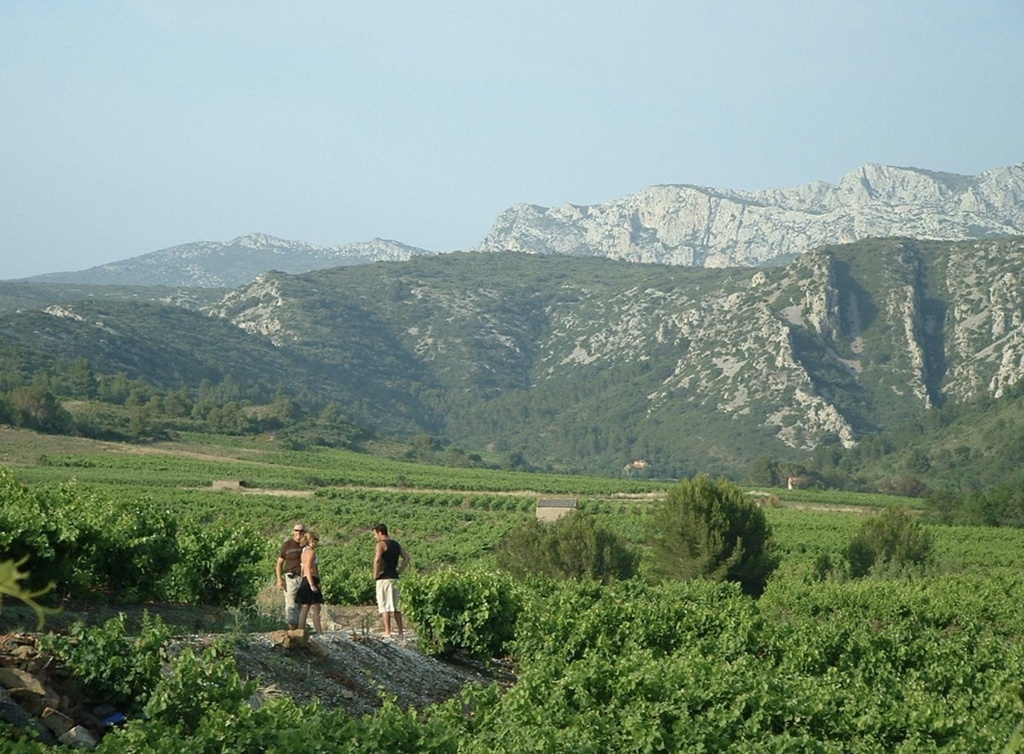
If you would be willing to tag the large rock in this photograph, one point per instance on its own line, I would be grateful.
(13, 713)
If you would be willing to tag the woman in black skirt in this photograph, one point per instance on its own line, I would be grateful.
(309, 594)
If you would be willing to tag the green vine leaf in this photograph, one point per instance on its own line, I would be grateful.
(10, 578)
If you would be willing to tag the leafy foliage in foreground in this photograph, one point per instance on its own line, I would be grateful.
(861, 667)
(91, 546)
(10, 586)
(111, 665)
(871, 666)
(931, 664)
(182, 697)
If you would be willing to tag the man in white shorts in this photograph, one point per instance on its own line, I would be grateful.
(389, 560)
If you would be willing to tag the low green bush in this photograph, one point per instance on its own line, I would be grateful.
(111, 666)
(472, 613)
(194, 685)
(891, 540)
(573, 546)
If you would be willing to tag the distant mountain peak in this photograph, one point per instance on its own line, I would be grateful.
(263, 241)
(678, 224)
(708, 227)
(212, 264)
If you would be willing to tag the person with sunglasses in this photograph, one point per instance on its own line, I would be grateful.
(289, 573)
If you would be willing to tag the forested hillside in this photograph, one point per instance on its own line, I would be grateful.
(570, 364)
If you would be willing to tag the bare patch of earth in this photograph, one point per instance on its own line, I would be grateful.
(351, 670)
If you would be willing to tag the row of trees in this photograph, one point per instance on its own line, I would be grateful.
(114, 407)
(998, 503)
(704, 529)
(118, 408)
(997, 506)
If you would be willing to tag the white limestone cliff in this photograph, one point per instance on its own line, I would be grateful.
(707, 227)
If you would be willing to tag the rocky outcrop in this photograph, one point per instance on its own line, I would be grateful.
(694, 226)
(707, 227)
(34, 695)
(985, 326)
(255, 308)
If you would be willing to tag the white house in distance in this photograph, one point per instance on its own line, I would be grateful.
(552, 508)
(638, 466)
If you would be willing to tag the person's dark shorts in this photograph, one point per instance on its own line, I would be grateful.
(306, 595)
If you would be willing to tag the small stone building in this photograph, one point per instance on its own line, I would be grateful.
(552, 508)
(228, 484)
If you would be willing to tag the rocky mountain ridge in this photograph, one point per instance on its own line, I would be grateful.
(707, 227)
(586, 364)
(666, 224)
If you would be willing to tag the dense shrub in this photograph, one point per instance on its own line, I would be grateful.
(473, 613)
(892, 539)
(35, 408)
(124, 550)
(1000, 506)
(216, 565)
(712, 530)
(90, 546)
(572, 547)
(994, 506)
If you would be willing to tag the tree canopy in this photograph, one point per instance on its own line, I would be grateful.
(710, 529)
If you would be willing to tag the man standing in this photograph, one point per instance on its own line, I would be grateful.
(389, 561)
(289, 573)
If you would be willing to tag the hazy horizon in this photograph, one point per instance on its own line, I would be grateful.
(135, 126)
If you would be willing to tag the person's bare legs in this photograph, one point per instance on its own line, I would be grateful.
(303, 612)
(316, 619)
(398, 624)
(386, 617)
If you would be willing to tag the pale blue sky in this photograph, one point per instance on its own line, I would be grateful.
(127, 127)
